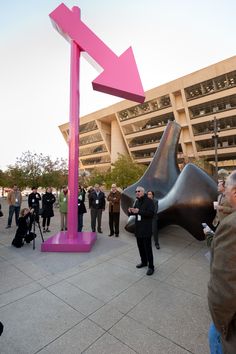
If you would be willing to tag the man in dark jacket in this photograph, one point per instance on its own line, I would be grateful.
(33, 202)
(143, 210)
(97, 205)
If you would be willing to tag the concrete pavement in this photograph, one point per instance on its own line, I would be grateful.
(98, 302)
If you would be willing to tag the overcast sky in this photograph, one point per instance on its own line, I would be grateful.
(169, 39)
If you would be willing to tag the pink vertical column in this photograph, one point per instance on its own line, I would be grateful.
(74, 139)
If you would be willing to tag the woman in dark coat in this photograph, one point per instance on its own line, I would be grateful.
(81, 208)
(23, 229)
(47, 205)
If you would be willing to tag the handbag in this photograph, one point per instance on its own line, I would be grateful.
(1, 213)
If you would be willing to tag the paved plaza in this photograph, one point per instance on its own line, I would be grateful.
(98, 302)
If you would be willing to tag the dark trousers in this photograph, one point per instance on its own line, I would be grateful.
(13, 209)
(114, 220)
(80, 222)
(155, 230)
(48, 221)
(96, 214)
(145, 250)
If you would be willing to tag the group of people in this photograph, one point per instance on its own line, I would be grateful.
(146, 220)
(25, 217)
(97, 204)
(222, 284)
(145, 211)
(14, 199)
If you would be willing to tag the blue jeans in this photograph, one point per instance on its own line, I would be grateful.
(214, 340)
(13, 209)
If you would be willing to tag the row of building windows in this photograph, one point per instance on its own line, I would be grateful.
(90, 139)
(223, 142)
(212, 107)
(96, 160)
(155, 122)
(146, 107)
(143, 140)
(87, 127)
(93, 150)
(207, 127)
(218, 83)
(149, 153)
(143, 155)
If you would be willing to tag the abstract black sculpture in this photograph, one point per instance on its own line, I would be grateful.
(185, 198)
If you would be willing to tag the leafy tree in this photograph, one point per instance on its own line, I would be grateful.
(124, 172)
(55, 173)
(15, 175)
(97, 176)
(36, 169)
(32, 166)
(4, 180)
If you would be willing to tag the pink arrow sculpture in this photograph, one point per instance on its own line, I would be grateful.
(120, 78)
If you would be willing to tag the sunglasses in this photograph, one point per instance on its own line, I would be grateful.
(137, 191)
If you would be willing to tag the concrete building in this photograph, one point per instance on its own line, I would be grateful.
(136, 129)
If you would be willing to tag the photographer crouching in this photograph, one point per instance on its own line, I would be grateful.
(23, 232)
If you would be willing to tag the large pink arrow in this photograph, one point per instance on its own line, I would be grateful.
(120, 76)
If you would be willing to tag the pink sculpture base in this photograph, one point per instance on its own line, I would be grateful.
(61, 243)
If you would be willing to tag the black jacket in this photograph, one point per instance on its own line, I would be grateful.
(97, 201)
(33, 201)
(143, 220)
(47, 204)
(81, 206)
(23, 231)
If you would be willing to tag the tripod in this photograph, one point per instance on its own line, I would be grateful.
(36, 221)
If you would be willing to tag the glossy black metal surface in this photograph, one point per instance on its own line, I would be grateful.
(185, 198)
(162, 172)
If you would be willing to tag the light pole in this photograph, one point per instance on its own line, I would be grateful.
(215, 136)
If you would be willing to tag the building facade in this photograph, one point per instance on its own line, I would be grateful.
(193, 101)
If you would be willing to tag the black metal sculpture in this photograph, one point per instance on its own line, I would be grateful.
(184, 198)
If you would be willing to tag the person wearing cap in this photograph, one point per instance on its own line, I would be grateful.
(114, 210)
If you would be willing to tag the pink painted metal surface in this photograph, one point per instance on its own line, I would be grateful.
(72, 240)
(83, 242)
(74, 138)
(120, 76)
